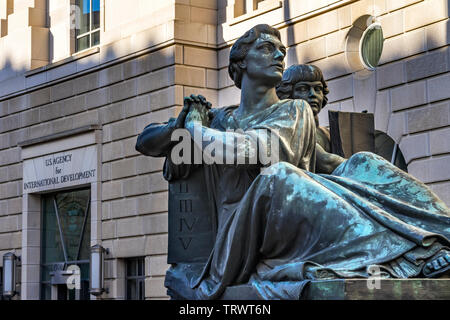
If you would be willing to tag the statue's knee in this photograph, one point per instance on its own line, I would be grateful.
(279, 169)
(362, 156)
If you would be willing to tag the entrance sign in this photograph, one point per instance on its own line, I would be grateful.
(60, 170)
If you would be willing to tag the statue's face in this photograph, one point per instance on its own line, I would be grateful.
(264, 60)
(312, 92)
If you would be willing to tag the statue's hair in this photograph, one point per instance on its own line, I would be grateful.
(241, 47)
(297, 73)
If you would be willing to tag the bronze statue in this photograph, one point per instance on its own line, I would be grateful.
(306, 81)
(281, 225)
(303, 81)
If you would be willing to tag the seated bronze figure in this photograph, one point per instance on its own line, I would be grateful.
(279, 226)
(306, 82)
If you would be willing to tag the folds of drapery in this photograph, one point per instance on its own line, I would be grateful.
(280, 229)
(293, 226)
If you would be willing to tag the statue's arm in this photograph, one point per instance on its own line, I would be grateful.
(155, 139)
(204, 138)
(285, 136)
(236, 148)
(326, 162)
(323, 138)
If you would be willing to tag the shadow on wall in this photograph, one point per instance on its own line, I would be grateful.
(119, 91)
(10, 68)
(301, 51)
(354, 88)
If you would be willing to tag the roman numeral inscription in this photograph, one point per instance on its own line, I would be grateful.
(185, 242)
(191, 229)
(188, 222)
(186, 205)
(183, 187)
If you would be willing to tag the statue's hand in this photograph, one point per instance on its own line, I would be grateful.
(326, 162)
(179, 123)
(199, 110)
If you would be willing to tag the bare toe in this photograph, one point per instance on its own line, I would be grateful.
(437, 266)
(442, 261)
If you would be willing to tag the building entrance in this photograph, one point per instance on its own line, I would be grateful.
(65, 245)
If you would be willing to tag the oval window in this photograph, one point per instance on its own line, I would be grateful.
(371, 46)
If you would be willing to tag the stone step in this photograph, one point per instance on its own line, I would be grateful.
(360, 289)
(386, 289)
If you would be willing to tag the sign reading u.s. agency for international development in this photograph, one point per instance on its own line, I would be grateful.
(60, 170)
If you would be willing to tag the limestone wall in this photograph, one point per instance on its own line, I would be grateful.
(138, 75)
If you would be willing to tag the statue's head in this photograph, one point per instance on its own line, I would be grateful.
(260, 33)
(304, 81)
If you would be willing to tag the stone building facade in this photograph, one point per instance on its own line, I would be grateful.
(91, 104)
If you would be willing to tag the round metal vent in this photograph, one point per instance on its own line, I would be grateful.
(371, 46)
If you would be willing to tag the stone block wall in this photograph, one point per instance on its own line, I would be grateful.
(139, 75)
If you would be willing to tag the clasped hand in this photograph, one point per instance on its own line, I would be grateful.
(196, 110)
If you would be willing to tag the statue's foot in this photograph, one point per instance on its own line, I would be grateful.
(438, 265)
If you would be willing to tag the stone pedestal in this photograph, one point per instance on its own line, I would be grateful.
(388, 289)
(360, 289)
